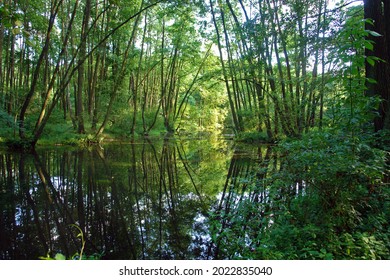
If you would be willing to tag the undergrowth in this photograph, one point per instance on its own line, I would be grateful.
(329, 199)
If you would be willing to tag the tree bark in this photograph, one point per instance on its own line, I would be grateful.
(378, 12)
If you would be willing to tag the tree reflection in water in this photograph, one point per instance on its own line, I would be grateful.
(132, 201)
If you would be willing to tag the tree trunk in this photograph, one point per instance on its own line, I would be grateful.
(80, 78)
(379, 12)
(34, 82)
(225, 76)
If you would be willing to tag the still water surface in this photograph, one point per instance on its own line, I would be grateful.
(146, 200)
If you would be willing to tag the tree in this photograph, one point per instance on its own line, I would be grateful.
(266, 49)
(377, 15)
(56, 44)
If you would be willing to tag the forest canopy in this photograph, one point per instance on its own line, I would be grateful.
(263, 69)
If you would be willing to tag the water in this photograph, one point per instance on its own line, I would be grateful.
(147, 200)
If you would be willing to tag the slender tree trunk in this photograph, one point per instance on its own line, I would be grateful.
(225, 75)
(136, 88)
(11, 77)
(40, 61)
(322, 88)
(80, 77)
(120, 76)
(51, 84)
(1, 62)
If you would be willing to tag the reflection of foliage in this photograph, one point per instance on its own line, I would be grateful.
(208, 159)
(328, 201)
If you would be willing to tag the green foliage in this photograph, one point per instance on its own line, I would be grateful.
(61, 257)
(328, 201)
(57, 257)
(281, 73)
(77, 256)
(7, 124)
(252, 137)
(382, 140)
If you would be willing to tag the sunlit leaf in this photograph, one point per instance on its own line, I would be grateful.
(59, 257)
(16, 31)
(18, 23)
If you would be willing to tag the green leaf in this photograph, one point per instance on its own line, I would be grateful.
(373, 33)
(371, 81)
(370, 61)
(47, 258)
(59, 257)
(328, 256)
(368, 45)
(16, 31)
(18, 23)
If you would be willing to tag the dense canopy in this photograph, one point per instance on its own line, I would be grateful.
(263, 69)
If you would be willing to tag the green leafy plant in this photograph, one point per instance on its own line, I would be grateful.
(77, 256)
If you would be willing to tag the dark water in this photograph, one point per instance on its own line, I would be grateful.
(148, 200)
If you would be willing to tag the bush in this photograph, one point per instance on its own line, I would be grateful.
(326, 201)
(252, 137)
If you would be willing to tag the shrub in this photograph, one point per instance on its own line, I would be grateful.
(326, 201)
